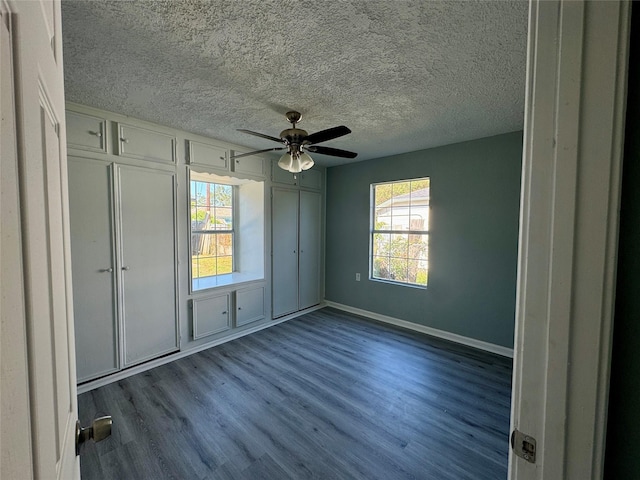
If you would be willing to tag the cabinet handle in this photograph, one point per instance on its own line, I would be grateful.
(222, 158)
(239, 308)
(124, 140)
(106, 270)
(224, 313)
(125, 268)
(97, 134)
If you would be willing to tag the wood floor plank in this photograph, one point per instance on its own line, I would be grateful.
(326, 395)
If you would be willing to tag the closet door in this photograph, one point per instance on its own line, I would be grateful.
(284, 216)
(148, 263)
(93, 264)
(310, 249)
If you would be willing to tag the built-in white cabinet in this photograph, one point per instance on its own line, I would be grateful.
(211, 315)
(296, 243)
(207, 155)
(310, 179)
(249, 305)
(251, 165)
(144, 144)
(123, 249)
(93, 263)
(86, 132)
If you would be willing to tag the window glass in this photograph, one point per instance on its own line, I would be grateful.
(400, 231)
(212, 229)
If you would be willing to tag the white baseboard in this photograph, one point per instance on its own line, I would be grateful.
(143, 367)
(434, 332)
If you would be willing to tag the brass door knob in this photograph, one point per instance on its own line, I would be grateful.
(99, 430)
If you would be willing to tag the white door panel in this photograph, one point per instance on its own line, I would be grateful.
(15, 460)
(310, 246)
(46, 269)
(90, 200)
(147, 268)
(285, 251)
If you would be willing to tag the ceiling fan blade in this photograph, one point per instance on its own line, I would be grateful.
(328, 134)
(268, 137)
(232, 157)
(336, 152)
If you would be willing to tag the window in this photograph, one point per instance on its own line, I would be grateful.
(212, 229)
(226, 231)
(400, 232)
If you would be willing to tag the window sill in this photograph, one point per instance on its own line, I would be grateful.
(401, 284)
(200, 285)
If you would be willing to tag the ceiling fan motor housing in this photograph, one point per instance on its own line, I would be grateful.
(293, 136)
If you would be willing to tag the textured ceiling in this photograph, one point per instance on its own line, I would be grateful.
(403, 75)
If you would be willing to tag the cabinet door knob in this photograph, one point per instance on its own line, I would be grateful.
(97, 134)
(239, 308)
(224, 313)
(124, 140)
(125, 268)
(106, 270)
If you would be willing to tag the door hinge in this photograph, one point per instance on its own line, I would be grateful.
(524, 446)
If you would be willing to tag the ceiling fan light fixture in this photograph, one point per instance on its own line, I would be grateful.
(296, 165)
(285, 161)
(306, 162)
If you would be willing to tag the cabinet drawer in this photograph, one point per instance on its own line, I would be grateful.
(249, 305)
(249, 165)
(137, 142)
(210, 315)
(209, 155)
(311, 179)
(86, 132)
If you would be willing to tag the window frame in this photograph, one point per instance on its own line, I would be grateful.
(214, 233)
(373, 231)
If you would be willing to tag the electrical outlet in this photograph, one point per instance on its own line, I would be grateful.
(357, 277)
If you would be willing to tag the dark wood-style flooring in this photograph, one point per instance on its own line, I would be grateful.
(327, 395)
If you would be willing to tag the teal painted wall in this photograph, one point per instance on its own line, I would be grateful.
(623, 429)
(475, 200)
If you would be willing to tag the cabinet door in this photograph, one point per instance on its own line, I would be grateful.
(86, 132)
(148, 263)
(310, 249)
(211, 315)
(93, 264)
(249, 305)
(278, 175)
(208, 155)
(138, 142)
(311, 179)
(284, 216)
(249, 165)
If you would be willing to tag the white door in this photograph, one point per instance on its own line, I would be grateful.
(93, 259)
(574, 125)
(310, 241)
(39, 437)
(147, 266)
(284, 231)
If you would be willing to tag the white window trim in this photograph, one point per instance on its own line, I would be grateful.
(373, 231)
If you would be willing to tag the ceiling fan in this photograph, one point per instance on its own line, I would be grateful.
(296, 141)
